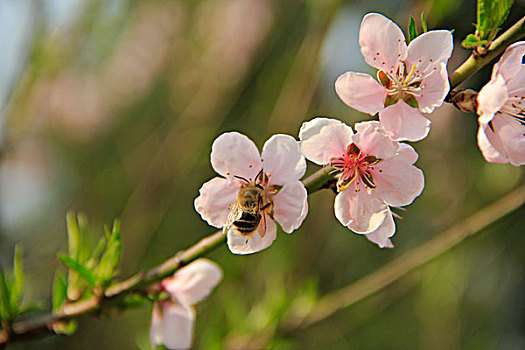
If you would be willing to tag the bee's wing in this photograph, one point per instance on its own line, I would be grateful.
(234, 214)
(261, 228)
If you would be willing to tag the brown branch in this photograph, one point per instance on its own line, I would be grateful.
(476, 62)
(139, 282)
(406, 263)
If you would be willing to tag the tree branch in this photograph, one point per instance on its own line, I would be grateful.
(45, 325)
(476, 62)
(406, 263)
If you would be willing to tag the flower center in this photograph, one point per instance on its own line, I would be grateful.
(404, 84)
(352, 165)
(515, 108)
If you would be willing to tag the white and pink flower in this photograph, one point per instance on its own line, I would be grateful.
(173, 319)
(501, 109)
(278, 170)
(374, 173)
(412, 79)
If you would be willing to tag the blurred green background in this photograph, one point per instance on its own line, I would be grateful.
(110, 108)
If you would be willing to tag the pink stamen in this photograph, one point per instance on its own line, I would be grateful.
(353, 165)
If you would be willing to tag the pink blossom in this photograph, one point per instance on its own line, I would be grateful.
(173, 319)
(412, 79)
(276, 172)
(501, 109)
(374, 173)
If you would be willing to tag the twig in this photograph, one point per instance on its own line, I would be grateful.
(407, 262)
(45, 325)
(476, 62)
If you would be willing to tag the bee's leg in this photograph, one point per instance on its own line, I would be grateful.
(266, 206)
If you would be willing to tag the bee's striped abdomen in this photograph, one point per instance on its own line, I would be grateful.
(247, 222)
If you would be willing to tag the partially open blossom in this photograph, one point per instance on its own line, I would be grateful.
(276, 172)
(412, 79)
(501, 109)
(374, 173)
(173, 319)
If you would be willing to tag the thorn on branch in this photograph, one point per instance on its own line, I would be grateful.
(464, 100)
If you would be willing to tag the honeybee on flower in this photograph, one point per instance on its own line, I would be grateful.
(254, 191)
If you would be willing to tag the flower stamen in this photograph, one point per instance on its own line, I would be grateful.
(354, 164)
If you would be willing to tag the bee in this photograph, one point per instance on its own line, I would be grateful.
(247, 214)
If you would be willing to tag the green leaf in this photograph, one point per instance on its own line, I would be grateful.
(491, 15)
(5, 299)
(111, 257)
(424, 22)
(472, 41)
(84, 248)
(83, 271)
(73, 235)
(18, 277)
(59, 291)
(412, 31)
(95, 255)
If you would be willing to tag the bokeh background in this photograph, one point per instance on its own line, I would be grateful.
(110, 108)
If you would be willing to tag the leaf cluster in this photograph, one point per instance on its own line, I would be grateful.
(491, 15)
(412, 29)
(12, 289)
(88, 269)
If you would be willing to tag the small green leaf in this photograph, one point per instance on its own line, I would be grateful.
(59, 291)
(412, 31)
(83, 271)
(111, 257)
(84, 248)
(95, 255)
(472, 41)
(424, 22)
(73, 235)
(5, 299)
(491, 15)
(18, 277)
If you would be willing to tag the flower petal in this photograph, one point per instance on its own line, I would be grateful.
(407, 153)
(290, 206)
(505, 142)
(282, 158)
(314, 126)
(215, 198)
(491, 98)
(172, 325)
(331, 141)
(435, 89)
(490, 145)
(429, 50)
(510, 64)
(512, 135)
(397, 182)
(194, 282)
(403, 122)
(360, 210)
(382, 42)
(233, 153)
(382, 235)
(260, 239)
(372, 139)
(361, 91)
